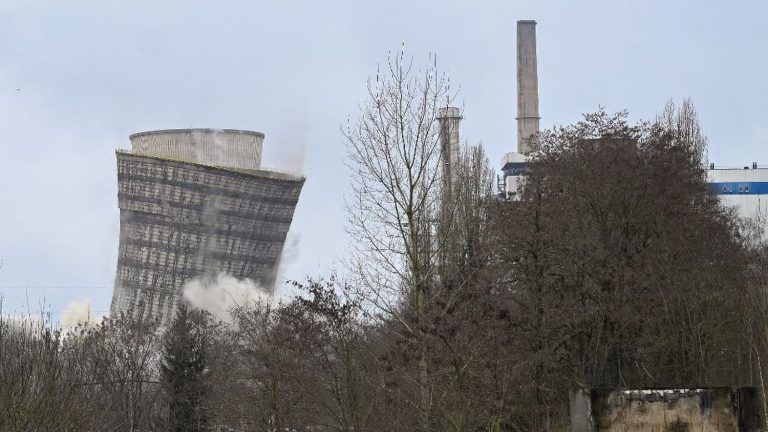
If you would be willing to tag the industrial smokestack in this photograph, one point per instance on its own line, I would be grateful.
(527, 85)
(449, 118)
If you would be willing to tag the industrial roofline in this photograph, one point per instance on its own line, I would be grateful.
(754, 165)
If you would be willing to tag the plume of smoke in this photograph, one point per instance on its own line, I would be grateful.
(288, 255)
(292, 154)
(79, 312)
(220, 294)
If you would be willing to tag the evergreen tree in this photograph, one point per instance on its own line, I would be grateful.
(183, 371)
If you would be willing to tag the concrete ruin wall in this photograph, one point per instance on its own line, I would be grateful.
(719, 409)
(180, 220)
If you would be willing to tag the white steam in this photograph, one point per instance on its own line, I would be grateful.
(294, 157)
(292, 153)
(219, 295)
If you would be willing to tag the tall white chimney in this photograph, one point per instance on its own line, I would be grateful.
(527, 84)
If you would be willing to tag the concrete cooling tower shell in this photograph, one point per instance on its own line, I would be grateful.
(187, 214)
(219, 147)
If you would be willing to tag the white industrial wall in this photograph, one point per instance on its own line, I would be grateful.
(745, 189)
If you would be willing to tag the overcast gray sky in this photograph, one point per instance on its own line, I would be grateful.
(77, 77)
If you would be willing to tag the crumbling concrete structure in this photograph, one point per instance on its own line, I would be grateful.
(714, 409)
(195, 203)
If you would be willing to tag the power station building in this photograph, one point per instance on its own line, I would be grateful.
(196, 203)
(746, 189)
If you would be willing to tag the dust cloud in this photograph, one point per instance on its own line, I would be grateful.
(79, 312)
(218, 295)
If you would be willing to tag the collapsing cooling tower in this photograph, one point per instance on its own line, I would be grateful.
(196, 203)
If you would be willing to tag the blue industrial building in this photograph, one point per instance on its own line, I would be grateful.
(745, 188)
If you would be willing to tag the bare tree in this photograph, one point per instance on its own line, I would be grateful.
(117, 363)
(683, 122)
(37, 388)
(267, 387)
(393, 153)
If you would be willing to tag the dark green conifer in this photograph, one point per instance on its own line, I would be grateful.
(183, 371)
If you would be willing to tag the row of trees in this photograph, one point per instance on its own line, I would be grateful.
(100, 378)
(458, 312)
(617, 267)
